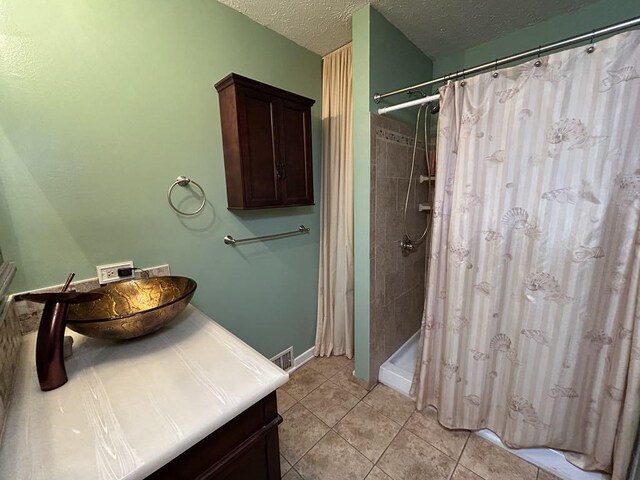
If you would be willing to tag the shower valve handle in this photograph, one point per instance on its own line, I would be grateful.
(406, 245)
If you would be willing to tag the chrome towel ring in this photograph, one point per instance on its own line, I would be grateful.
(183, 182)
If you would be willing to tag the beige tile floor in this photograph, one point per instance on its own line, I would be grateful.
(333, 429)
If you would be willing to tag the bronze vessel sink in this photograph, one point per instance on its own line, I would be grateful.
(131, 308)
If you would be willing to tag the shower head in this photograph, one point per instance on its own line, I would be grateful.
(435, 109)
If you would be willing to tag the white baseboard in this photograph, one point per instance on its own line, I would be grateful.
(301, 359)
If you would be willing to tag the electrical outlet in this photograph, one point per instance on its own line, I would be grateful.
(109, 273)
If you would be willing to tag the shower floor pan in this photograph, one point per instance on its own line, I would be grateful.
(397, 373)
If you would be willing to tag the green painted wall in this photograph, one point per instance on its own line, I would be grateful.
(361, 45)
(102, 105)
(383, 59)
(395, 63)
(600, 14)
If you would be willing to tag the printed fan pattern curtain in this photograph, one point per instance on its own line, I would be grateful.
(532, 318)
(334, 329)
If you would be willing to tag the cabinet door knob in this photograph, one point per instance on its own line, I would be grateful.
(281, 171)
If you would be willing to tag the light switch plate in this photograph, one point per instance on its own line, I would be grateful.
(109, 273)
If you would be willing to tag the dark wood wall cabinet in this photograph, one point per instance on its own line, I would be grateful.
(246, 448)
(266, 137)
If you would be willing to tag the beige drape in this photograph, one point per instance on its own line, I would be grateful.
(334, 331)
(532, 321)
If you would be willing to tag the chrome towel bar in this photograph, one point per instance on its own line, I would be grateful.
(229, 240)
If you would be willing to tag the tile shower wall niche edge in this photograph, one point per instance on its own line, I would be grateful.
(9, 340)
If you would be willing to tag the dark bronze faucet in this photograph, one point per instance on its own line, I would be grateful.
(50, 342)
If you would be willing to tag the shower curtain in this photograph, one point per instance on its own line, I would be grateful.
(334, 329)
(531, 325)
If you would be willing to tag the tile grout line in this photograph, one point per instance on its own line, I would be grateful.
(302, 405)
(403, 426)
(319, 440)
(332, 429)
(312, 446)
(336, 386)
(327, 379)
(310, 392)
(385, 416)
(385, 451)
(394, 437)
(439, 448)
(460, 456)
(321, 421)
(348, 442)
(348, 392)
(295, 470)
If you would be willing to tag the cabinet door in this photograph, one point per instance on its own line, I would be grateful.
(259, 149)
(295, 160)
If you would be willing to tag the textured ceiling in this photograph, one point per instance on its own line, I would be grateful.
(437, 27)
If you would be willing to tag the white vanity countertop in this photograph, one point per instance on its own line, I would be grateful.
(131, 407)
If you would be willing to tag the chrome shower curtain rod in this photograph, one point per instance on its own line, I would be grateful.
(616, 27)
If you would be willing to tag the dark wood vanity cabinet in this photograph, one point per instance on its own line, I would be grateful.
(266, 137)
(245, 448)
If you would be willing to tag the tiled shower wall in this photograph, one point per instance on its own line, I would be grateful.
(10, 339)
(397, 282)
